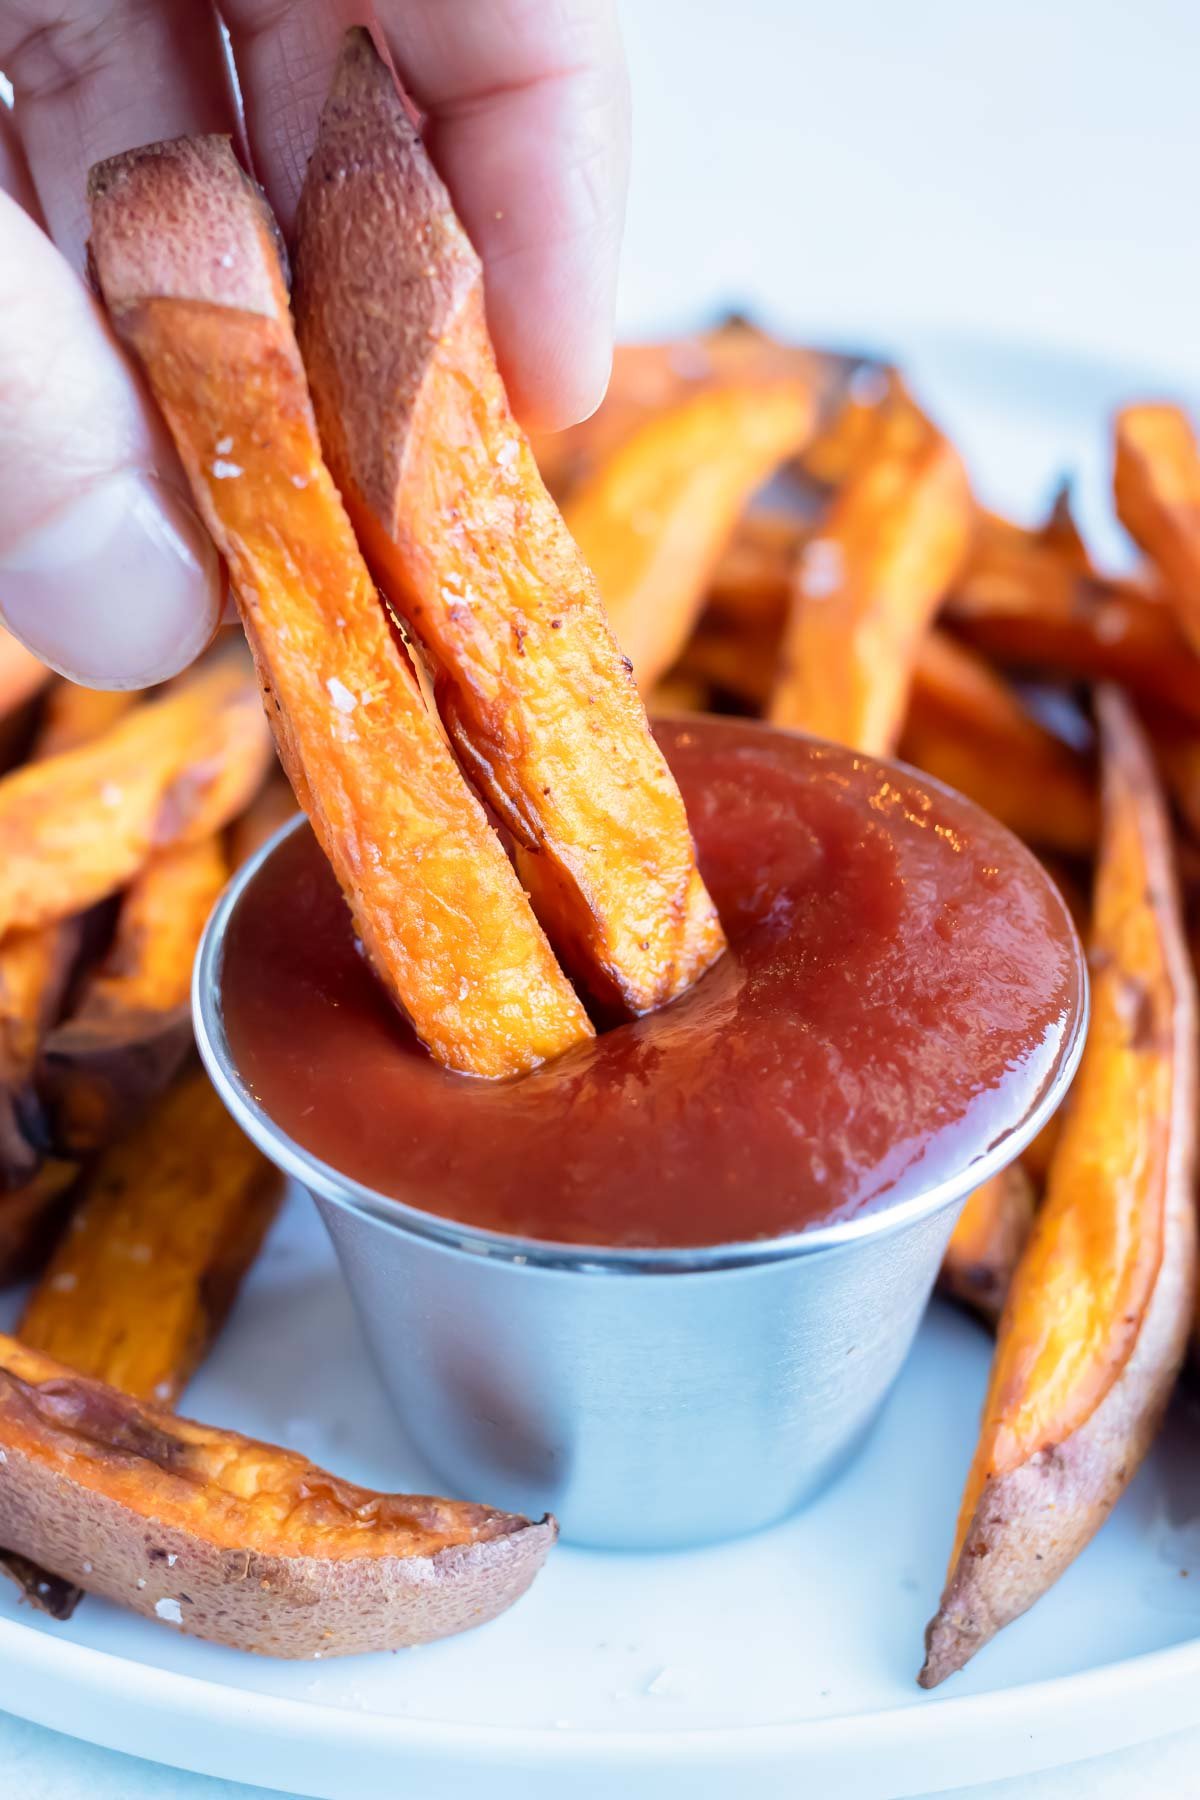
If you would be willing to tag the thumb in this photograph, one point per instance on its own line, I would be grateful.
(105, 571)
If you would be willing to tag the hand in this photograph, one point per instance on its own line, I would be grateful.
(105, 571)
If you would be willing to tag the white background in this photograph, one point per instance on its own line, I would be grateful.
(869, 170)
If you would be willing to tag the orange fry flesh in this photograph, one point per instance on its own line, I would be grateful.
(75, 827)
(867, 584)
(446, 497)
(1156, 485)
(1023, 602)
(986, 1243)
(966, 726)
(186, 258)
(653, 519)
(1097, 1317)
(163, 913)
(169, 1222)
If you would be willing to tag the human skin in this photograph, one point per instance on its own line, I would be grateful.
(105, 571)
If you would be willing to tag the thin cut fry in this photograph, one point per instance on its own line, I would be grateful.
(1024, 603)
(130, 1029)
(966, 726)
(444, 492)
(866, 587)
(1097, 1318)
(186, 257)
(986, 1243)
(1156, 485)
(74, 828)
(170, 1220)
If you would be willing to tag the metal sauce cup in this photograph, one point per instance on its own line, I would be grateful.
(651, 1399)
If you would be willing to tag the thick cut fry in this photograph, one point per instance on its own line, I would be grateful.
(1097, 1318)
(36, 964)
(986, 1244)
(169, 1221)
(30, 1217)
(1156, 485)
(235, 1540)
(866, 587)
(752, 582)
(966, 726)
(1025, 603)
(186, 257)
(648, 379)
(74, 828)
(654, 518)
(444, 492)
(131, 1029)
(22, 675)
(143, 1279)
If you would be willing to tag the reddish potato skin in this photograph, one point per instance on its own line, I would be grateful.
(241, 1595)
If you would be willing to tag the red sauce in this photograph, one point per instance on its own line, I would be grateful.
(899, 988)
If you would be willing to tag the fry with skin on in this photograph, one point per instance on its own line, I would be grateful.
(30, 1217)
(1023, 602)
(653, 520)
(130, 1028)
(443, 490)
(143, 1279)
(966, 726)
(1156, 486)
(237, 1541)
(867, 585)
(168, 1222)
(1097, 1317)
(76, 827)
(185, 254)
(986, 1243)
(35, 966)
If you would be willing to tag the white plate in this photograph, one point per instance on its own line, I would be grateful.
(731, 1668)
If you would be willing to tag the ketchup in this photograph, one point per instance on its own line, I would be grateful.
(898, 991)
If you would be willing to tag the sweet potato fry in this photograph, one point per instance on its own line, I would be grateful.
(1021, 601)
(234, 1540)
(986, 1244)
(168, 1223)
(186, 257)
(867, 585)
(648, 379)
(1098, 1314)
(446, 498)
(752, 582)
(130, 1028)
(74, 828)
(143, 1279)
(29, 1219)
(36, 964)
(653, 520)
(1156, 486)
(22, 675)
(966, 726)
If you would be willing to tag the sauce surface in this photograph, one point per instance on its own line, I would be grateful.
(900, 986)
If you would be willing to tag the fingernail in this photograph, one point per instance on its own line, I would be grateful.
(118, 590)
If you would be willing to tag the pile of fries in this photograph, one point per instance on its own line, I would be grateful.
(775, 532)
(866, 597)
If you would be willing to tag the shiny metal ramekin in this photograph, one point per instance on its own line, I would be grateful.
(649, 1398)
